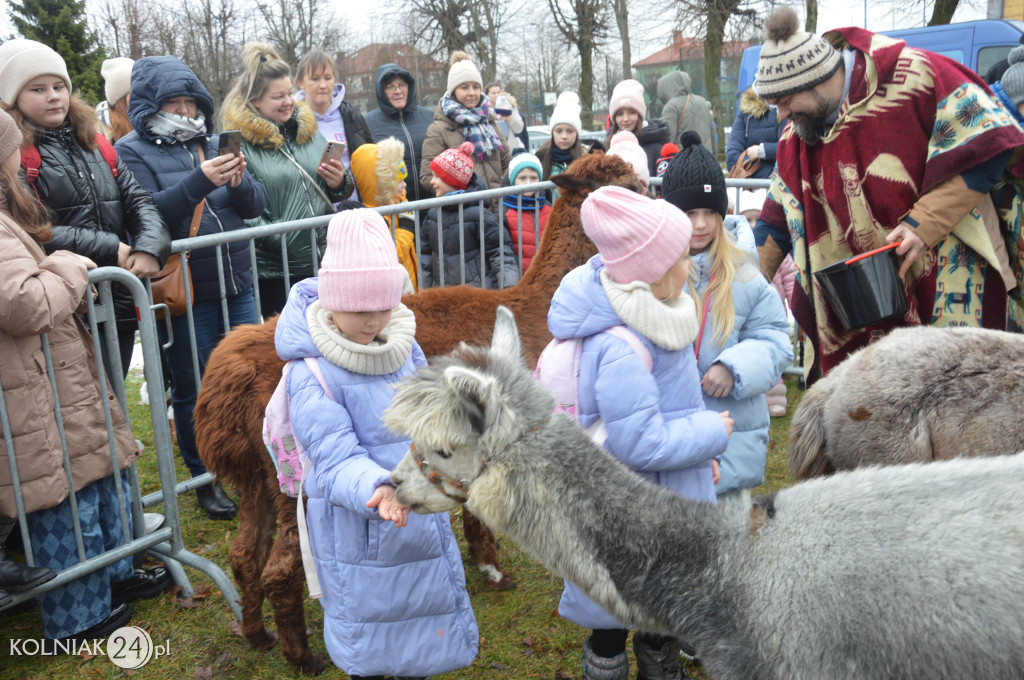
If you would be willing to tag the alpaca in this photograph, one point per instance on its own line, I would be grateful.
(918, 394)
(888, 572)
(244, 369)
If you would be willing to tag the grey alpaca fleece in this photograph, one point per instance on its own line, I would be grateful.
(918, 394)
(889, 573)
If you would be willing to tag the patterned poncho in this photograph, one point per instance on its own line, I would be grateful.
(911, 121)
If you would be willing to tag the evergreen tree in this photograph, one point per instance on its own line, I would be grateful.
(61, 24)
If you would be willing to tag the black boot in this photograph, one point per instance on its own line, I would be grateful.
(16, 577)
(215, 502)
(144, 584)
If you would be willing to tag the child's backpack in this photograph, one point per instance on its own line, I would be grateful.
(32, 161)
(290, 458)
(558, 369)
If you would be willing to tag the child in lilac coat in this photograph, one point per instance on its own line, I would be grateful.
(394, 591)
(655, 420)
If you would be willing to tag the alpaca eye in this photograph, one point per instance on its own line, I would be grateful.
(443, 454)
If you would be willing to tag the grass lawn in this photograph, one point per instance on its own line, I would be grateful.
(521, 634)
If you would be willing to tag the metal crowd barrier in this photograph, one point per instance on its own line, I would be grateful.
(165, 543)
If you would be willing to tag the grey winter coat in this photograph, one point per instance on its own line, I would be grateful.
(674, 90)
(408, 125)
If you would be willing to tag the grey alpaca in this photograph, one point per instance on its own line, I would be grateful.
(918, 394)
(890, 573)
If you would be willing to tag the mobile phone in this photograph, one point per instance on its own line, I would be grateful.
(230, 142)
(332, 150)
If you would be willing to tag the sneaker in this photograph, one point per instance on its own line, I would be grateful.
(153, 521)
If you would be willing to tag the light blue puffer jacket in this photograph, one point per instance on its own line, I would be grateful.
(656, 420)
(395, 600)
(757, 351)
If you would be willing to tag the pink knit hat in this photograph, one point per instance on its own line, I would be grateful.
(639, 238)
(626, 146)
(454, 166)
(628, 94)
(360, 270)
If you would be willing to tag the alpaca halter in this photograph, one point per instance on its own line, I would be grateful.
(439, 479)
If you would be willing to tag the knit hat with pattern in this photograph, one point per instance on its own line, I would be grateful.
(639, 238)
(117, 78)
(22, 60)
(628, 94)
(1013, 78)
(694, 179)
(454, 166)
(567, 111)
(792, 60)
(360, 270)
(10, 137)
(626, 146)
(462, 70)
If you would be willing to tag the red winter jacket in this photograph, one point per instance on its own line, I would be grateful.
(531, 235)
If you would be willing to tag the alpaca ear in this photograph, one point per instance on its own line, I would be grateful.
(569, 183)
(505, 339)
(475, 391)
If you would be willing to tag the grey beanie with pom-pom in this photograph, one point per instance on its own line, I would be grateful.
(1013, 78)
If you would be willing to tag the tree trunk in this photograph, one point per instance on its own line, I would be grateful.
(621, 8)
(943, 12)
(586, 48)
(811, 25)
(718, 14)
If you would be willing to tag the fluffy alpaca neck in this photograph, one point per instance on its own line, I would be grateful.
(639, 550)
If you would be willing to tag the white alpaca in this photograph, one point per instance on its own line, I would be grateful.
(899, 572)
(918, 394)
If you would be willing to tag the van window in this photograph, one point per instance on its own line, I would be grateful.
(988, 56)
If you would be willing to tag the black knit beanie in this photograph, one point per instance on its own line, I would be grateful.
(694, 179)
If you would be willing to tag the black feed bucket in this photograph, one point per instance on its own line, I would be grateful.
(865, 289)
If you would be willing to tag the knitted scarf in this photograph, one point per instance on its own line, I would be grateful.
(475, 124)
(563, 156)
(529, 202)
(911, 121)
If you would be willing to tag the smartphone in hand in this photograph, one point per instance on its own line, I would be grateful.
(230, 142)
(332, 150)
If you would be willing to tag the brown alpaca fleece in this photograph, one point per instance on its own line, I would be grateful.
(244, 369)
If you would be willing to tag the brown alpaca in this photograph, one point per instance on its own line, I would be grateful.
(244, 370)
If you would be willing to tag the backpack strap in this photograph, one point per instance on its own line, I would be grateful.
(314, 367)
(630, 337)
(107, 151)
(31, 161)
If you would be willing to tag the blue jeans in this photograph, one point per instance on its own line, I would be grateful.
(209, 324)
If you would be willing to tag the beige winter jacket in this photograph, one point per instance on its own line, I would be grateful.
(40, 293)
(445, 133)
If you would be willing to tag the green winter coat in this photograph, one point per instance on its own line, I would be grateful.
(290, 195)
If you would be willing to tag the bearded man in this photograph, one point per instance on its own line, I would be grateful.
(889, 143)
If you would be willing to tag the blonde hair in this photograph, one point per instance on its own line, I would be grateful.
(726, 259)
(260, 65)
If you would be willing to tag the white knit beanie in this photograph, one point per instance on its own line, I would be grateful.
(22, 60)
(792, 60)
(463, 70)
(117, 78)
(628, 94)
(567, 112)
(360, 270)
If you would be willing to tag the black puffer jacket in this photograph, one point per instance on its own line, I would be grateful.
(502, 265)
(408, 125)
(92, 212)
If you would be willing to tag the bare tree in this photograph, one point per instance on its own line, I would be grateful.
(621, 10)
(811, 24)
(488, 18)
(296, 26)
(211, 40)
(126, 27)
(585, 26)
(444, 24)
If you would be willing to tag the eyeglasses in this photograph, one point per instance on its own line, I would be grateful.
(397, 87)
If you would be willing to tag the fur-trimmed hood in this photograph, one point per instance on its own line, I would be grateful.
(261, 132)
(375, 169)
(752, 105)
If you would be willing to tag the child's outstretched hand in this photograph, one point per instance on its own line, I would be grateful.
(727, 421)
(716, 471)
(386, 502)
(718, 381)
